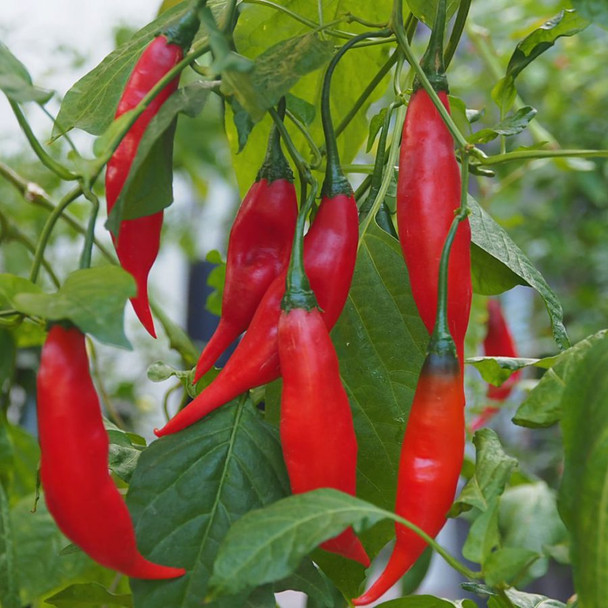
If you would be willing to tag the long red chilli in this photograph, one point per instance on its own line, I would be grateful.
(138, 239)
(258, 250)
(78, 489)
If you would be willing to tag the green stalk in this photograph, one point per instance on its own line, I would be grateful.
(441, 332)
(388, 174)
(85, 259)
(507, 157)
(335, 182)
(461, 19)
(316, 153)
(46, 159)
(298, 293)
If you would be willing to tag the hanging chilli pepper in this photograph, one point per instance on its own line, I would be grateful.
(430, 461)
(428, 194)
(138, 240)
(317, 431)
(433, 445)
(497, 343)
(258, 249)
(330, 252)
(78, 489)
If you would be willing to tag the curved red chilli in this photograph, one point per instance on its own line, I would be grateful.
(78, 489)
(429, 466)
(428, 194)
(258, 251)
(498, 342)
(317, 431)
(138, 239)
(330, 252)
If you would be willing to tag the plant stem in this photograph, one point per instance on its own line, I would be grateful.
(461, 18)
(85, 259)
(316, 162)
(388, 174)
(498, 159)
(46, 159)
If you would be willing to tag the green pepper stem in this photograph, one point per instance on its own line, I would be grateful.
(298, 293)
(441, 337)
(182, 33)
(432, 61)
(275, 164)
(335, 181)
(46, 159)
(87, 250)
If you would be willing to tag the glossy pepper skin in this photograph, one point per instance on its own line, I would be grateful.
(498, 342)
(138, 239)
(258, 250)
(317, 432)
(429, 466)
(428, 194)
(78, 489)
(330, 252)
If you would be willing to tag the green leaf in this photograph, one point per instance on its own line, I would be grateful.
(149, 185)
(26, 456)
(87, 594)
(426, 601)
(375, 124)
(595, 11)
(268, 544)
(216, 280)
(566, 23)
(91, 102)
(529, 519)
(492, 471)
(92, 298)
(305, 112)
(124, 453)
(583, 500)
(497, 264)
(242, 123)
(505, 565)
(542, 407)
(190, 487)
(11, 285)
(511, 125)
(496, 370)
(425, 10)
(275, 72)
(483, 535)
(9, 583)
(519, 599)
(16, 82)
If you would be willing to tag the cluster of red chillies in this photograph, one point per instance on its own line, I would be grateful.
(287, 335)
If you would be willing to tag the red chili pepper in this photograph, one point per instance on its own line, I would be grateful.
(138, 239)
(78, 489)
(330, 252)
(428, 194)
(317, 432)
(429, 466)
(497, 343)
(258, 250)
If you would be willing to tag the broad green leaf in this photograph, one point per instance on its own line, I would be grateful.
(542, 406)
(508, 564)
(426, 601)
(260, 27)
(566, 23)
(275, 72)
(85, 595)
(496, 370)
(148, 187)
(26, 456)
(16, 82)
(425, 10)
(529, 519)
(483, 535)
(123, 453)
(268, 544)
(11, 285)
(91, 102)
(497, 264)
(583, 500)
(93, 299)
(595, 11)
(305, 112)
(509, 126)
(520, 599)
(9, 582)
(189, 488)
(492, 471)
